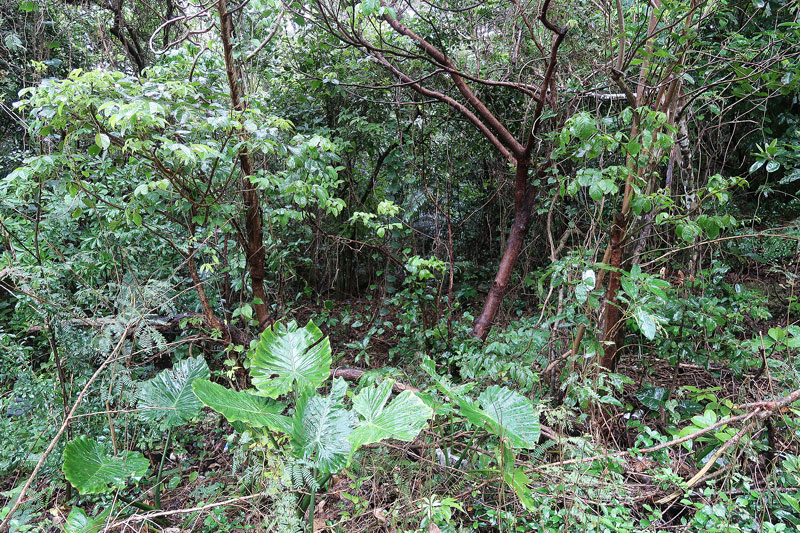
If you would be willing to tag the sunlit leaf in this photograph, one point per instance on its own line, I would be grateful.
(288, 355)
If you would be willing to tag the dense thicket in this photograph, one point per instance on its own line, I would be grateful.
(443, 266)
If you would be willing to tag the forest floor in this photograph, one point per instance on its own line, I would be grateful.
(359, 499)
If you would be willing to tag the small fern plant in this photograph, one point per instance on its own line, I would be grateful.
(289, 366)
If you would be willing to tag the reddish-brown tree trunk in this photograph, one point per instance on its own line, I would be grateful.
(254, 224)
(522, 196)
(477, 113)
(613, 313)
(516, 238)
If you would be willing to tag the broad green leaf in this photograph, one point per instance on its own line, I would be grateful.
(286, 355)
(27, 6)
(652, 397)
(688, 231)
(321, 427)
(235, 406)
(79, 522)
(91, 469)
(505, 413)
(13, 41)
(368, 7)
(706, 419)
(502, 412)
(102, 140)
(645, 322)
(790, 177)
(168, 399)
(583, 126)
(514, 477)
(687, 408)
(776, 334)
(573, 187)
(601, 187)
(755, 166)
(402, 419)
(589, 176)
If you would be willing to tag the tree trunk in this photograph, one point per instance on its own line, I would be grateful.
(474, 110)
(256, 254)
(613, 314)
(516, 237)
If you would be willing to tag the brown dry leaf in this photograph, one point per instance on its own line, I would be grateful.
(337, 485)
(380, 514)
(320, 525)
(433, 528)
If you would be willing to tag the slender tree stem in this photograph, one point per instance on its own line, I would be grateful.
(157, 487)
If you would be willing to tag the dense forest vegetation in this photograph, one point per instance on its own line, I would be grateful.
(387, 265)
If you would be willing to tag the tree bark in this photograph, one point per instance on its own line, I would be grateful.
(254, 225)
(516, 237)
(129, 42)
(523, 193)
(612, 327)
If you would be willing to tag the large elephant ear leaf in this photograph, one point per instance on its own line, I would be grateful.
(402, 419)
(79, 522)
(321, 428)
(288, 355)
(91, 469)
(235, 406)
(168, 399)
(507, 414)
(500, 411)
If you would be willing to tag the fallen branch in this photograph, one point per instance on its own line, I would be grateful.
(156, 514)
(702, 472)
(761, 410)
(163, 323)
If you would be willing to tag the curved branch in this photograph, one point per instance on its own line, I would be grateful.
(502, 134)
(508, 154)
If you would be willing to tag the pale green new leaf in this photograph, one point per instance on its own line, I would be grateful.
(91, 469)
(168, 399)
(235, 406)
(286, 355)
(515, 477)
(402, 419)
(321, 427)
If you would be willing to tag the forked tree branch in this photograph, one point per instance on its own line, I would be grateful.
(480, 108)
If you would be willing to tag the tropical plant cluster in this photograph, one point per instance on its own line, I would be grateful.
(388, 265)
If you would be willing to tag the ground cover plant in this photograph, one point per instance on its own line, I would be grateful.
(399, 266)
